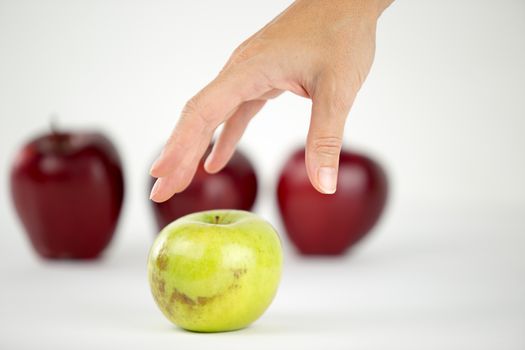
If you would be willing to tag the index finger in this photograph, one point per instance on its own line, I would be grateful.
(200, 117)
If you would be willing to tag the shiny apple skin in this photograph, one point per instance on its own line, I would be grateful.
(324, 224)
(234, 187)
(68, 190)
(215, 271)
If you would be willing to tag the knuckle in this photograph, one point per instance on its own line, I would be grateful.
(242, 46)
(195, 109)
(241, 54)
(249, 49)
(190, 106)
(340, 102)
(327, 145)
(338, 94)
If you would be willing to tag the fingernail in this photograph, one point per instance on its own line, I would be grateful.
(155, 189)
(327, 179)
(154, 165)
(207, 162)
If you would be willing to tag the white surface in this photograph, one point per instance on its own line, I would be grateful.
(436, 279)
(442, 109)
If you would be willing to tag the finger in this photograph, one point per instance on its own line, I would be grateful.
(325, 136)
(204, 112)
(177, 180)
(233, 129)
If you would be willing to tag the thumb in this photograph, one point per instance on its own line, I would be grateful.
(325, 139)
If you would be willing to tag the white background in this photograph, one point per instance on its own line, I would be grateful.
(442, 109)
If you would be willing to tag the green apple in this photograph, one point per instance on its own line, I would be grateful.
(215, 270)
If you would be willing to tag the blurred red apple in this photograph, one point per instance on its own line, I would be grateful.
(68, 190)
(327, 224)
(234, 187)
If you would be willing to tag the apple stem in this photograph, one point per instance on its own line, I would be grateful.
(217, 219)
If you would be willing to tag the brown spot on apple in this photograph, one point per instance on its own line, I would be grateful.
(204, 300)
(161, 284)
(181, 298)
(178, 296)
(162, 259)
(158, 289)
(237, 273)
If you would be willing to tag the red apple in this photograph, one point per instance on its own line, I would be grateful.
(68, 190)
(234, 187)
(328, 224)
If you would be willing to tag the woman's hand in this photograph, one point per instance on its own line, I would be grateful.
(319, 49)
